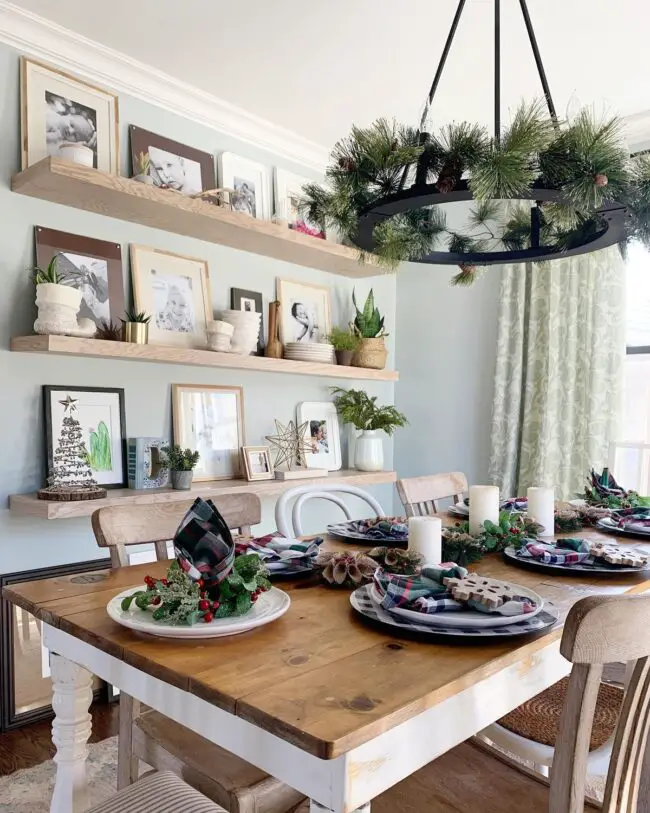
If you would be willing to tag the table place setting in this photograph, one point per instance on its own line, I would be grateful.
(283, 557)
(392, 530)
(627, 522)
(578, 556)
(209, 591)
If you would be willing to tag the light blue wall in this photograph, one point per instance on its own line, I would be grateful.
(28, 543)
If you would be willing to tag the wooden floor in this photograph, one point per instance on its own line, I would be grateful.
(31, 745)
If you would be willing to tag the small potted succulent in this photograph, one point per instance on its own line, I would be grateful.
(142, 168)
(135, 327)
(181, 464)
(58, 304)
(345, 342)
(369, 327)
(359, 409)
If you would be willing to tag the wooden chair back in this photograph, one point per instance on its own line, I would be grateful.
(420, 495)
(116, 527)
(600, 630)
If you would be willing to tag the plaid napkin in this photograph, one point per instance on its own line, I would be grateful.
(514, 504)
(279, 552)
(390, 528)
(632, 519)
(424, 593)
(203, 543)
(568, 551)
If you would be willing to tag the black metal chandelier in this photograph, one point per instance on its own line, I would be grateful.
(416, 192)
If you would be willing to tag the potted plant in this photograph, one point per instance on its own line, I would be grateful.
(135, 326)
(58, 304)
(345, 342)
(181, 464)
(359, 409)
(141, 169)
(369, 327)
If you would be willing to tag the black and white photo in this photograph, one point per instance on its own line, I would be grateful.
(243, 200)
(257, 462)
(305, 312)
(172, 165)
(90, 276)
(250, 302)
(173, 303)
(69, 121)
(249, 182)
(174, 172)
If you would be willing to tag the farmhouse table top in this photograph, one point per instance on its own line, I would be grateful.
(318, 677)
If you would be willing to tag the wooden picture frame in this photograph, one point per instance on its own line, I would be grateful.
(255, 458)
(110, 411)
(58, 107)
(175, 290)
(92, 266)
(173, 165)
(210, 419)
(315, 301)
(242, 300)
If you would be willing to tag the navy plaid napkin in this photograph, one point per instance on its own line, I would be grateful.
(390, 528)
(424, 593)
(632, 519)
(568, 551)
(279, 552)
(203, 543)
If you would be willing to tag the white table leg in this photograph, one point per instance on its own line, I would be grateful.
(314, 807)
(71, 727)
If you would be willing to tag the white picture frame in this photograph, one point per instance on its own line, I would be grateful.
(210, 420)
(58, 108)
(257, 462)
(323, 432)
(250, 181)
(305, 312)
(287, 188)
(175, 291)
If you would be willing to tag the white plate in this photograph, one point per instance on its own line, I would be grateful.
(267, 608)
(466, 618)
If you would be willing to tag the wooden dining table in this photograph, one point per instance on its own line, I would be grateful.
(339, 710)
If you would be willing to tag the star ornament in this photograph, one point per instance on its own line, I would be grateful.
(69, 404)
(290, 442)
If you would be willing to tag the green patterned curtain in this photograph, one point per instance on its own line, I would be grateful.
(559, 372)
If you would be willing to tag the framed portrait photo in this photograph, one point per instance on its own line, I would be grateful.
(175, 291)
(101, 415)
(249, 181)
(172, 165)
(287, 191)
(93, 267)
(241, 300)
(210, 420)
(304, 312)
(257, 462)
(322, 433)
(58, 108)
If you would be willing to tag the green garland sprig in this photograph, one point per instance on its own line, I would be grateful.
(459, 546)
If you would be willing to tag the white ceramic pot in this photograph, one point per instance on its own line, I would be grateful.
(58, 306)
(369, 451)
(78, 153)
(223, 328)
(246, 325)
(219, 342)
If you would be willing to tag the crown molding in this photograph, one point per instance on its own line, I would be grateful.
(45, 40)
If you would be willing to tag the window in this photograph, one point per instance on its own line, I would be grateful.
(638, 300)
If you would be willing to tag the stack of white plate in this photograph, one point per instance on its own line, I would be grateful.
(247, 330)
(319, 352)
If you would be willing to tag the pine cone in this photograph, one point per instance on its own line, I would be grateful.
(394, 560)
(347, 164)
(448, 177)
(601, 180)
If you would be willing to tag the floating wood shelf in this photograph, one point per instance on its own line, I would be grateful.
(97, 348)
(95, 191)
(30, 505)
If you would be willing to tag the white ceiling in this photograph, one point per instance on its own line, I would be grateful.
(315, 68)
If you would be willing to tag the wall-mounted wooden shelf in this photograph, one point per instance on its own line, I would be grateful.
(96, 348)
(95, 191)
(30, 505)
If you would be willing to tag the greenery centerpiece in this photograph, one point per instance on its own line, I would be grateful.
(181, 464)
(368, 326)
(464, 548)
(603, 491)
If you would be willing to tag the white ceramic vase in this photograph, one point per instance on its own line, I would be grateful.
(369, 451)
(77, 153)
(58, 306)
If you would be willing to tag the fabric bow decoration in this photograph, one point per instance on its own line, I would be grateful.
(203, 544)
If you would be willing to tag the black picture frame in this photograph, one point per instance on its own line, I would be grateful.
(238, 298)
(48, 391)
(9, 719)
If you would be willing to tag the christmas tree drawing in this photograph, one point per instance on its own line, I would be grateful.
(71, 477)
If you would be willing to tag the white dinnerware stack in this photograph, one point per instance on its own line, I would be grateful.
(246, 326)
(319, 352)
(219, 336)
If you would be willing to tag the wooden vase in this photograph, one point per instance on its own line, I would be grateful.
(274, 347)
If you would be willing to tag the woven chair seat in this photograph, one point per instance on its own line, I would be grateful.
(539, 718)
(160, 793)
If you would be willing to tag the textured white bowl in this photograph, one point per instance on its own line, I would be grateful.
(218, 327)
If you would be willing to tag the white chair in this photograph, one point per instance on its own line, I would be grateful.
(301, 494)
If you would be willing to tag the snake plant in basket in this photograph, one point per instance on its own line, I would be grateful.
(369, 327)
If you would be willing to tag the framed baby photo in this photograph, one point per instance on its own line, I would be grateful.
(175, 291)
(304, 312)
(210, 420)
(58, 109)
(100, 414)
(257, 462)
(93, 267)
(169, 164)
(249, 181)
(323, 434)
(287, 192)
(242, 300)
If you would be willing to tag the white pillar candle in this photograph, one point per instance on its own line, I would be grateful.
(483, 504)
(425, 538)
(541, 507)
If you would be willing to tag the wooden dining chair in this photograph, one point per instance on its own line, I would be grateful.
(151, 737)
(421, 496)
(160, 793)
(473, 779)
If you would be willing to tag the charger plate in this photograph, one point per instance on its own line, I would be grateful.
(595, 568)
